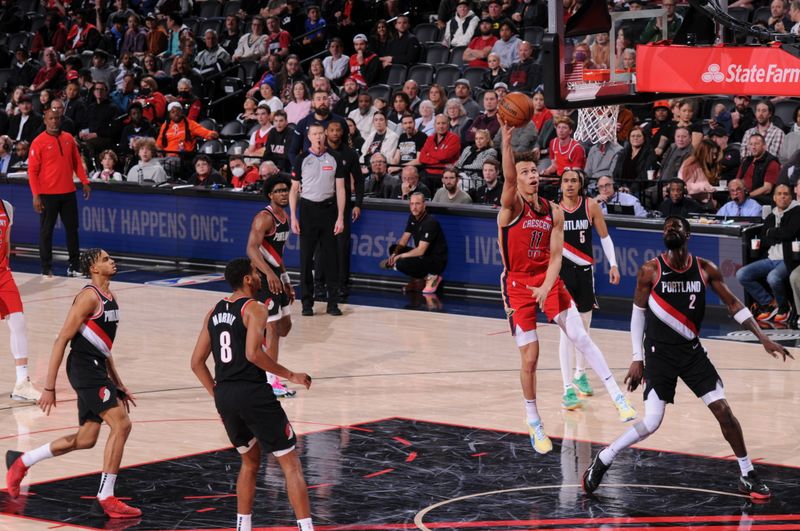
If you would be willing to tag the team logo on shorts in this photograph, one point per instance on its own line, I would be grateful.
(289, 431)
(105, 394)
(271, 304)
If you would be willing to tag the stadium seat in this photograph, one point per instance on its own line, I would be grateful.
(233, 129)
(446, 75)
(711, 101)
(739, 13)
(248, 71)
(210, 9)
(253, 129)
(28, 6)
(457, 55)
(534, 35)
(474, 74)
(21, 38)
(86, 59)
(206, 24)
(238, 147)
(5, 73)
(34, 21)
(436, 53)
(211, 147)
(785, 110)
(477, 95)
(397, 75)
(421, 73)
(380, 91)
(231, 85)
(426, 32)
(231, 8)
(208, 123)
(763, 13)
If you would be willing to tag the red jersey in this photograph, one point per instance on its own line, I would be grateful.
(525, 243)
(6, 220)
(572, 156)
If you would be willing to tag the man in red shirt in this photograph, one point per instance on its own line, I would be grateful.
(441, 148)
(52, 161)
(564, 151)
(480, 46)
(760, 170)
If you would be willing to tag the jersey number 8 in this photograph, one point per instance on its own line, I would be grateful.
(225, 352)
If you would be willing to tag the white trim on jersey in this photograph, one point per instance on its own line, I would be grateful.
(96, 341)
(268, 256)
(670, 320)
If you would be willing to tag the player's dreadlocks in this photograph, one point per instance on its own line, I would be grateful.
(88, 258)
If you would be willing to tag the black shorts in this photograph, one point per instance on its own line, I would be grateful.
(251, 412)
(277, 304)
(88, 376)
(665, 363)
(579, 281)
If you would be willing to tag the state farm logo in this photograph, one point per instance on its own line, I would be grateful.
(713, 75)
(752, 73)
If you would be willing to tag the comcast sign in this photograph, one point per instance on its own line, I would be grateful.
(738, 73)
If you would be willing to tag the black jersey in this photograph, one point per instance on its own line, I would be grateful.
(578, 234)
(272, 244)
(229, 342)
(96, 334)
(677, 304)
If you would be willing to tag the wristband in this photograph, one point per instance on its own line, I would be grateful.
(743, 315)
(285, 278)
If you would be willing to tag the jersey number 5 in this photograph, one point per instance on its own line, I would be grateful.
(225, 352)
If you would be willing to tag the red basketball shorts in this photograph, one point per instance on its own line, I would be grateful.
(10, 301)
(521, 309)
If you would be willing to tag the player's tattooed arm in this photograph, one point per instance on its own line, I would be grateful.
(735, 307)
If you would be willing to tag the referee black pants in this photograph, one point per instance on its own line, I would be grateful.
(53, 206)
(343, 250)
(317, 220)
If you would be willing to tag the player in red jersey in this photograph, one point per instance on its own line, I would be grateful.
(531, 237)
(11, 310)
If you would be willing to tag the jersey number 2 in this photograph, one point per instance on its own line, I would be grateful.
(225, 352)
(692, 300)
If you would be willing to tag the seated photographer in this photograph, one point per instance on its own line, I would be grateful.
(427, 261)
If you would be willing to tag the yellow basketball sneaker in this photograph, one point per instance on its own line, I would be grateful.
(539, 440)
(624, 408)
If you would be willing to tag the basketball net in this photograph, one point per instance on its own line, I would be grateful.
(595, 124)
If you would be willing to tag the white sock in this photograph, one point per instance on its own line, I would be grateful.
(532, 412)
(305, 525)
(565, 352)
(39, 454)
(106, 489)
(745, 465)
(654, 409)
(22, 373)
(243, 522)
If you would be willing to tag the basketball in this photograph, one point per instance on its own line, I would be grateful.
(516, 109)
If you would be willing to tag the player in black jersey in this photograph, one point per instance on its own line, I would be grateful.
(668, 309)
(580, 215)
(268, 234)
(254, 420)
(90, 327)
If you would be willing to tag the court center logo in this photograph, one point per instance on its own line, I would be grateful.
(713, 75)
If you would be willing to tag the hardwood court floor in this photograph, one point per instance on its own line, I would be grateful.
(372, 363)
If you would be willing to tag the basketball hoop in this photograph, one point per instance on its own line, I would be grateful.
(595, 124)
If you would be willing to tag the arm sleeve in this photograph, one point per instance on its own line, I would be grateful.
(637, 333)
(608, 250)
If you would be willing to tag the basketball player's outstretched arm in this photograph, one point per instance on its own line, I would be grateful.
(741, 314)
(556, 248)
(201, 352)
(255, 319)
(84, 306)
(508, 199)
(262, 224)
(645, 278)
(599, 223)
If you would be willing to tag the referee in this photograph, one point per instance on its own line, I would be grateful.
(322, 204)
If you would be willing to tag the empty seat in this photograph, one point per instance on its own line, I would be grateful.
(436, 53)
(206, 24)
(474, 74)
(785, 110)
(238, 147)
(421, 73)
(534, 35)
(457, 55)
(210, 9)
(397, 75)
(233, 129)
(211, 147)
(231, 85)
(208, 123)
(248, 71)
(21, 38)
(426, 32)
(763, 13)
(446, 75)
(231, 8)
(380, 91)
